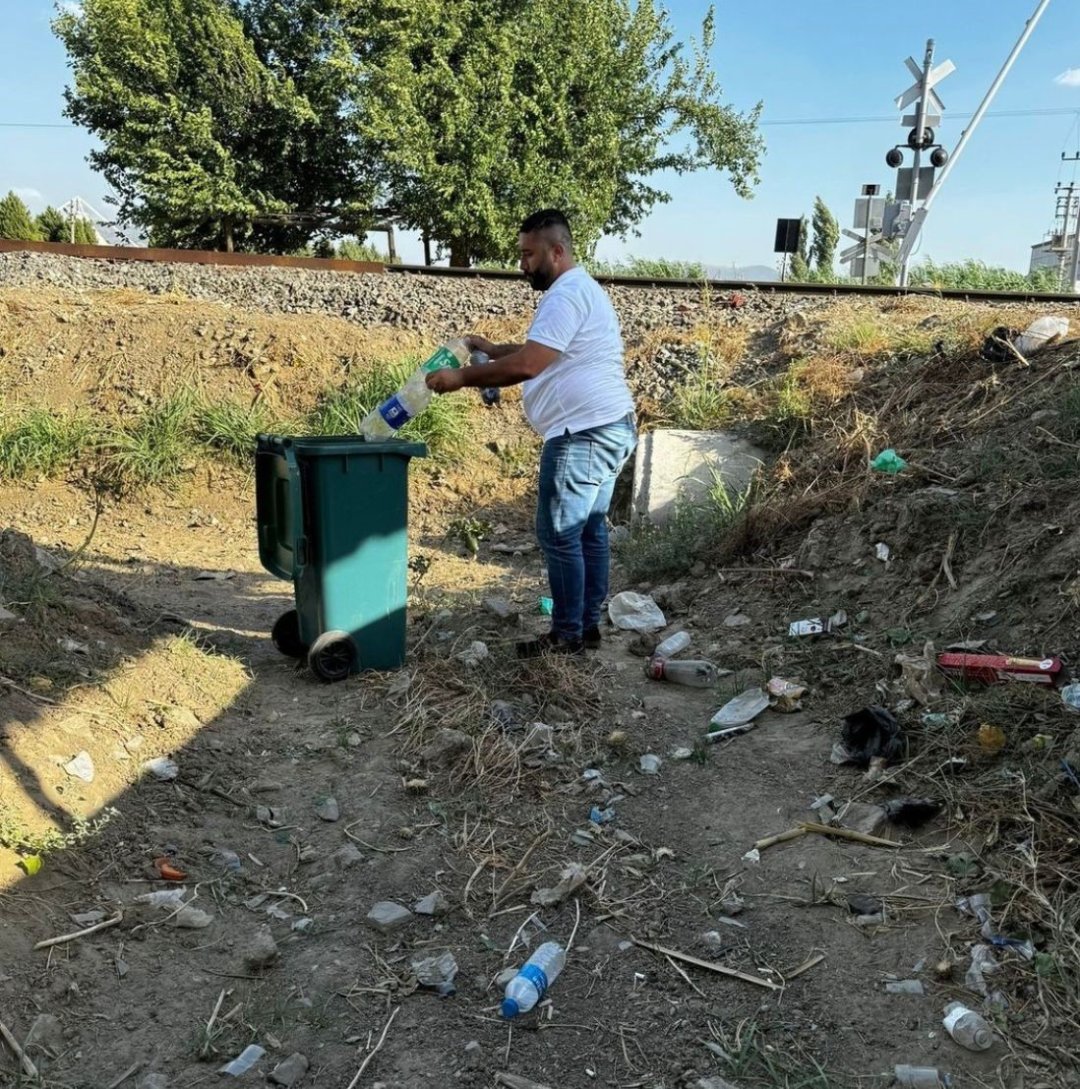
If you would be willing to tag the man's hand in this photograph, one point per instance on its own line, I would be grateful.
(480, 344)
(446, 380)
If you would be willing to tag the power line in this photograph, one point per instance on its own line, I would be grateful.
(1046, 112)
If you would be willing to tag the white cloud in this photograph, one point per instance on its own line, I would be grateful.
(70, 7)
(1069, 78)
(30, 195)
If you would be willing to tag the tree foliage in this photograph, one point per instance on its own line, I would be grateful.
(826, 239)
(54, 226)
(221, 120)
(16, 221)
(191, 121)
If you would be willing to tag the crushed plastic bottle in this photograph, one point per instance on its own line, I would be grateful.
(492, 395)
(1041, 333)
(920, 1077)
(534, 978)
(395, 412)
(692, 674)
(1070, 696)
(969, 1029)
(672, 645)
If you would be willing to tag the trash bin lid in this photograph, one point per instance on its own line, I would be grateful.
(338, 445)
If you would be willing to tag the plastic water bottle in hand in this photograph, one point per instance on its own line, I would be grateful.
(536, 975)
(413, 397)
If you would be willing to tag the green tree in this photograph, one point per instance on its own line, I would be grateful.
(16, 221)
(478, 112)
(800, 261)
(54, 226)
(191, 122)
(826, 239)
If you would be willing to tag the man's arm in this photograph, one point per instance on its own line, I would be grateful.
(520, 365)
(494, 351)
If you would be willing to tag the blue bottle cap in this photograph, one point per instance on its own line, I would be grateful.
(510, 1008)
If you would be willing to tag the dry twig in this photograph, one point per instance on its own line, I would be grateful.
(63, 939)
(720, 969)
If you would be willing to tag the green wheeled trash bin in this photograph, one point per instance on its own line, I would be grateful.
(332, 517)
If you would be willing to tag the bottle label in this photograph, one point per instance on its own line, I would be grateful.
(394, 412)
(441, 360)
(536, 976)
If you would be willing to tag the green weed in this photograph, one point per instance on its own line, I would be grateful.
(230, 427)
(695, 528)
(155, 447)
(43, 442)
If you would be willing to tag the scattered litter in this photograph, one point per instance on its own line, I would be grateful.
(31, 864)
(167, 870)
(386, 916)
(920, 676)
(163, 898)
(532, 981)
(935, 720)
(328, 810)
(691, 674)
(436, 972)
(544, 605)
(302, 925)
(753, 855)
(70, 646)
(672, 645)
(1041, 333)
(861, 904)
(571, 879)
(630, 611)
(476, 652)
(87, 918)
(967, 1028)
(432, 904)
(1070, 696)
(214, 576)
(290, 1071)
(650, 764)
(601, 816)
(904, 986)
(806, 627)
(191, 918)
(983, 964)
(244, 1061)
(863, 817)
(912, 812)
(882, 552)
(162, 768)
(270, 815)
(81, 766)
(786, 695)
(920, 1077)
(992, 738)
(682, 753)
(230, 860)
(889, 461)
(737, 620)
(742, 709)
(872, 737)
(995, 668)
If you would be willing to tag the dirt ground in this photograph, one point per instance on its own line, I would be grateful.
(154, 642)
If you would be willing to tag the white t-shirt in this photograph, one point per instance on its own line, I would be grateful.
(585, 387)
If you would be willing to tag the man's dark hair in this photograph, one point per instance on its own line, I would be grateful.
(552, 221)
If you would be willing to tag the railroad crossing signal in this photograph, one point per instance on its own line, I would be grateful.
(925, 82)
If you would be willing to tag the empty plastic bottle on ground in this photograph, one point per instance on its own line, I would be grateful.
(968, 1028)
(395, 412)
(531, 983)
(672, 645)
(692, 674)
(489, 395)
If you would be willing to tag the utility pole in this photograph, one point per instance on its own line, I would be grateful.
(1070, 205)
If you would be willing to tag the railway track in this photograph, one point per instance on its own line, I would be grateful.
(764, 287)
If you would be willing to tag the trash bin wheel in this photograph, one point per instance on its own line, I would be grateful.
(286, 635)
(332, 655)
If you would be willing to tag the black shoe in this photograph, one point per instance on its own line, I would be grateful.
(549, 643)
(591, 637)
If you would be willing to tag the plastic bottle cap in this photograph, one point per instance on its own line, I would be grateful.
(510, 1008)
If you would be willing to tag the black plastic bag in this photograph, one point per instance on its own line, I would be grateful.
(872, 733)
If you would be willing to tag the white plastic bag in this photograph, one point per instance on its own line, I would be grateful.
(635, 612)
(1041, 333)
(742, 709)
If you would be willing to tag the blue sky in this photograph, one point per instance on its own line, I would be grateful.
(805, 59)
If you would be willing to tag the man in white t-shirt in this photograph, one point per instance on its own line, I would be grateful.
(576, 397)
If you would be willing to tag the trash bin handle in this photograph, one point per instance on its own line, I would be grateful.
(296, 501)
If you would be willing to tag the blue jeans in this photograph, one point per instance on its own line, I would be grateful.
(577, 477)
